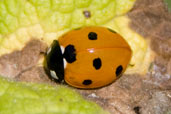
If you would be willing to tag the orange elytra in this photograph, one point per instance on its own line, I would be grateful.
(89, 57)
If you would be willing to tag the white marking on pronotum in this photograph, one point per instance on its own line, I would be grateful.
(49, 49)
(65, 62)
(62, 49)
(53, 74)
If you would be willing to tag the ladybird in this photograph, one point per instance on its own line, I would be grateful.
(89, 57)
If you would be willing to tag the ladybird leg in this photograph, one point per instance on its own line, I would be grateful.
(54, 61)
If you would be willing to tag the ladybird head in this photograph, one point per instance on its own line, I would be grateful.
(54, 61)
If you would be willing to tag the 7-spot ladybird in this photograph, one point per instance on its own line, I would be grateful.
(89, 57)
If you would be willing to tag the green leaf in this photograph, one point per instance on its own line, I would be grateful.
(27, 98)
(168, 3)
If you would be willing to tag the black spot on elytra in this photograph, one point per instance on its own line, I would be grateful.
(97, 63)
(69, 53)
(92, 36)
(119, 70)
(137, 109)
(111, 30)
(87, 82)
